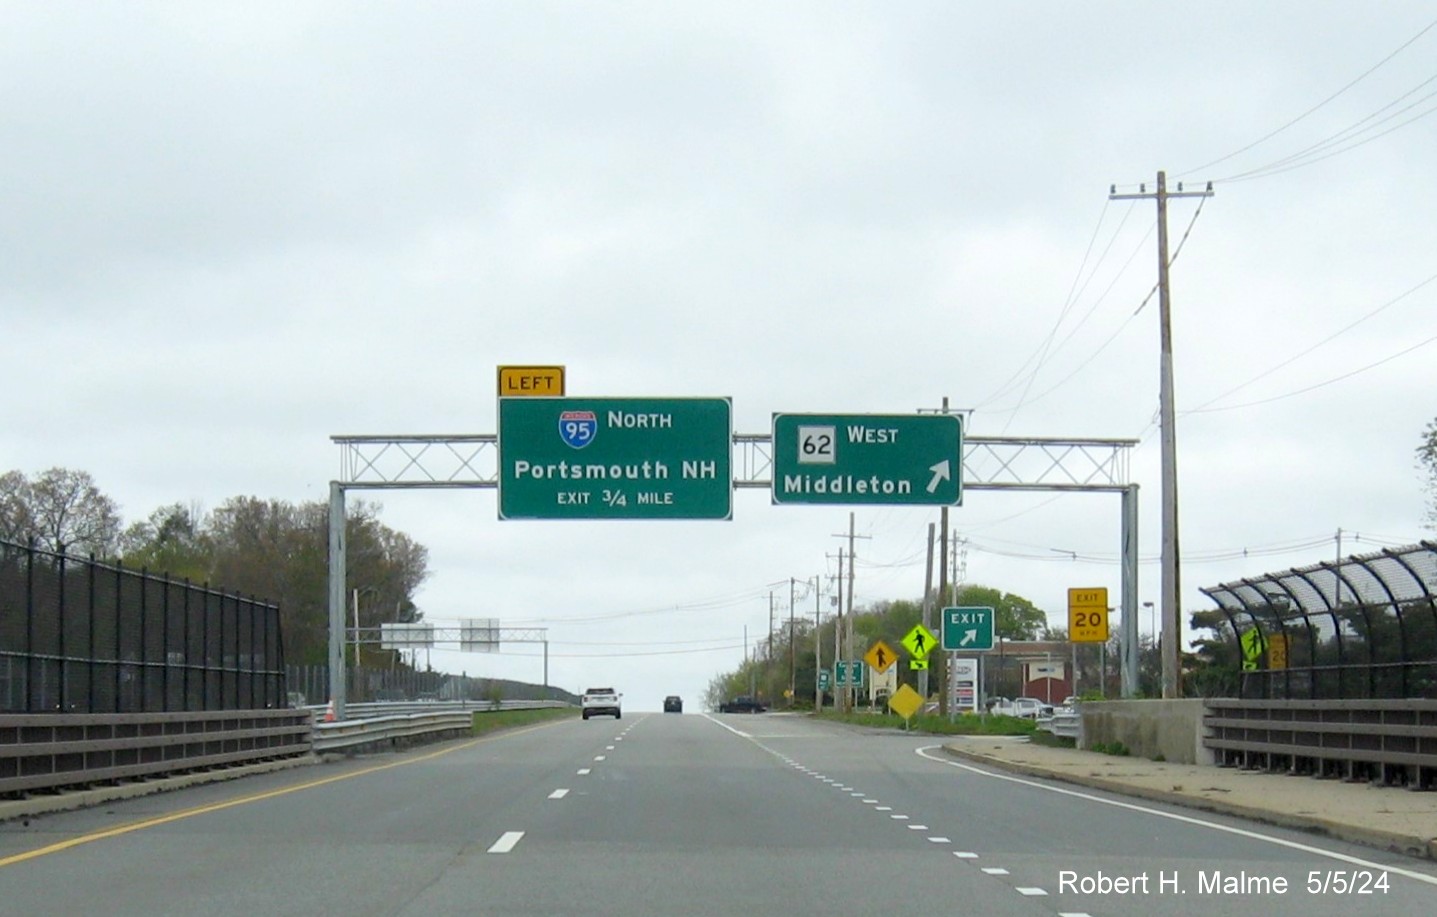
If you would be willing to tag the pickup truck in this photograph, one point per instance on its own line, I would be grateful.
(1028, 708)
(601, 702)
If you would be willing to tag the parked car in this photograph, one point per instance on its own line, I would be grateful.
(742, 705)
(673, 704)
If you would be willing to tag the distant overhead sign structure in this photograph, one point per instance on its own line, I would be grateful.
(876, 459)
(615, 458)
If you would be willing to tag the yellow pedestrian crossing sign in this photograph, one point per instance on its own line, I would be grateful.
(880, 656)
(919, 642)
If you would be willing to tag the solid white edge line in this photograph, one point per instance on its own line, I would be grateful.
(1241, 832)
(506, 842)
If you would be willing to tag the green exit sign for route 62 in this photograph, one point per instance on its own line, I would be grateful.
(869, 459)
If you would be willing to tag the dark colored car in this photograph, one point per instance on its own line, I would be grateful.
(673, 704)
(742, 705)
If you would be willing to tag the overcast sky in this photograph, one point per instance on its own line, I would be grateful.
(232, 230)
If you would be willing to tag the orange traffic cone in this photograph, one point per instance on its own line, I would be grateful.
(329, 712)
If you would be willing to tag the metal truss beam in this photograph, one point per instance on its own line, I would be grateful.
(989, 463)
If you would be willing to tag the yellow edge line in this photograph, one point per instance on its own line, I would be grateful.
(258, 797)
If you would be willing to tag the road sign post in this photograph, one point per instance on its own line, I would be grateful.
(615, 458)
(968, 628)
(871, 459)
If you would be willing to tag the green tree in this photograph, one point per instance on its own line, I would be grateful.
(172, 541)
(61, 510)
(1427, 459)
(1015, 618)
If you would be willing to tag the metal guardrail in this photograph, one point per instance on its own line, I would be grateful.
(46, 752)
(54, 751)
(396, 723)
(1067, 724)
(1383, 741)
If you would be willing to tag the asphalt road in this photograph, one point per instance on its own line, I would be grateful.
(678, 815)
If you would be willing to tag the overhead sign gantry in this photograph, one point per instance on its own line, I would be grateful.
(674, 458)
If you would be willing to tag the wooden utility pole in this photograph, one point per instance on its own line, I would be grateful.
(928, 612)
(1171, 597)
(847, 650)
(792, 644)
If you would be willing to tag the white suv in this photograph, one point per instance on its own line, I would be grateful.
(597, 701)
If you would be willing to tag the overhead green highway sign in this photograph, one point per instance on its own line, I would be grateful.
(883, 459)
(615, 458)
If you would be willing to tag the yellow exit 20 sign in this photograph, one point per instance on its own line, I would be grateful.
(1088, 615)
(531, 381)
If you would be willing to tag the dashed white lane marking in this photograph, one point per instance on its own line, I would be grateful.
(584, 771)
(899, 817)
(506, 842)
(1186, 819)
(871, 802)
(1074, 914)
(598, 757)
(855, 794)
(995, 870)
(559, 794)
(965, 854)
(883, 808)
(1031, 891)
(940, 840)
(608, 748)
(917, 827)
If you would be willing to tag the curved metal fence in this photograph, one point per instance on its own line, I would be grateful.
(1361, 627)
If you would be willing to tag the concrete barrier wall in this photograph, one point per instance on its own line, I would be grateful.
(1168, 729)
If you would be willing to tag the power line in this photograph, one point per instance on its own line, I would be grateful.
(1268, 136)
(1203, 408)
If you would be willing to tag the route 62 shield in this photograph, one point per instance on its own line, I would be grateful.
(577, 428)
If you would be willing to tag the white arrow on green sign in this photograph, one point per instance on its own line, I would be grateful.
(872, 459)
(968, 628)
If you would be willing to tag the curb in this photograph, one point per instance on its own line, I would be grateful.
(1405, 844)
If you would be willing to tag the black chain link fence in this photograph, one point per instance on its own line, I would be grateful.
(81, 636)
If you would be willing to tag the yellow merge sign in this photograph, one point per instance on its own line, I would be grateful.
(1088, 615)
(919, 642)
(905, 702)
(880, 656)
(531, 381)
